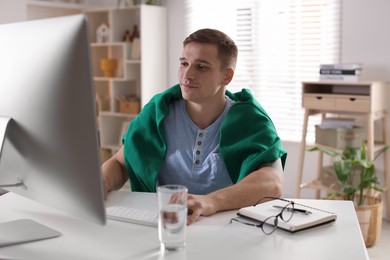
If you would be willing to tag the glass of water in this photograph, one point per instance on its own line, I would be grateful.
(172, 201)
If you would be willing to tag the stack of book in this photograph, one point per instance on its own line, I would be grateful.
(340, 72)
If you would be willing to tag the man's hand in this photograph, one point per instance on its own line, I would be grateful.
(199, 205)
(265, 181)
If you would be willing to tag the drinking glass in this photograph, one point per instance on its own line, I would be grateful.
(172, 201)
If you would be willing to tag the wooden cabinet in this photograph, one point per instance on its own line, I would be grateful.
(353, 99)
(344, 97)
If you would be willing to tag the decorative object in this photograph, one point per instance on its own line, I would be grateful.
(129, 104)
(135, 33)
(127, 36)
(339, 137)
(357, 181)
(108, 66)
(103, 33)
(136, 49)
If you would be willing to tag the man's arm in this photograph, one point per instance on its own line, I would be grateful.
(114, 172)
(267, 180)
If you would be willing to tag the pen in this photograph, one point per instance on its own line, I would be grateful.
(306, 212)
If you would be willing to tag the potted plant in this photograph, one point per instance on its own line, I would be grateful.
(357, 181)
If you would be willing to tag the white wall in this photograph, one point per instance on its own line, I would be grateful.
(366, 39)
(176, 31)
(12, 11)
(366, 36)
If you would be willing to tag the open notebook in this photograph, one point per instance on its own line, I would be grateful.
(299, 221)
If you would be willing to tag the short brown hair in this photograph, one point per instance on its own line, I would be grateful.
(227, 49)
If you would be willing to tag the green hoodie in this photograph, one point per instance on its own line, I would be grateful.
(248, 139)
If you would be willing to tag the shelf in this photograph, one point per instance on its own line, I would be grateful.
(116, 114)
(377, 146)
(108, 44)
(112, 127)
(367, 100)
(133, 61)
(108, 79)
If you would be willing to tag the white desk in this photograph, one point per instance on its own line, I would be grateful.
(209, 238)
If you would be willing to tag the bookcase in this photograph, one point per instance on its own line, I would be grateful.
(141, 69)
(366, 100)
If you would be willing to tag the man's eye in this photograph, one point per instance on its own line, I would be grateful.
(202, 66)
(183, 64)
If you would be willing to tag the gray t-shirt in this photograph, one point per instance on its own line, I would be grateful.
(193, 158)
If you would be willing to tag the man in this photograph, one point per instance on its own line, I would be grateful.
(222, 146)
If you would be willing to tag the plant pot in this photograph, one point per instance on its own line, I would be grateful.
(370, 219)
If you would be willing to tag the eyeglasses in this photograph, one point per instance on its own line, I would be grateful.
(269, 225)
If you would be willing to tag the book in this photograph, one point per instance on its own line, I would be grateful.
(340, 72)
(299, 221)
(345, 78)
(342, 66)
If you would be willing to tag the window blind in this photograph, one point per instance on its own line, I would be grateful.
(281, 43)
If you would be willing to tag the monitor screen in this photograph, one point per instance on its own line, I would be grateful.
(48, 131)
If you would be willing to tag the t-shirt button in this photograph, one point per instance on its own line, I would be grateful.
(197, 162)
(197, 152)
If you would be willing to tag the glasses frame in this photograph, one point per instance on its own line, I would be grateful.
(280, 215)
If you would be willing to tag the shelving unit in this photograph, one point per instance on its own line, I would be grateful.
(353, 99)
(142, 77)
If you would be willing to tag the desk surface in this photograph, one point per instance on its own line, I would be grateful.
(209, 238)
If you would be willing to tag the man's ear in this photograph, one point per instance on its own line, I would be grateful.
(228, 76)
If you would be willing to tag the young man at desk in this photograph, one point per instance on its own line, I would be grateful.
(222, 146)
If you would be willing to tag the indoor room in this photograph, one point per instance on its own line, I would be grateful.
(306, 63)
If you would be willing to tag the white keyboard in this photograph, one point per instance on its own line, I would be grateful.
(133, 215)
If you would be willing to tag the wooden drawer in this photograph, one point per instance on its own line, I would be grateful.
(319, 101)
(331, 102)
(353, 103)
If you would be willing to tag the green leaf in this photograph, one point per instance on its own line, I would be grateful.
(330, 152)
(355, 174)
(343, 170)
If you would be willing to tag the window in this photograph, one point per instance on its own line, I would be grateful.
(281, 43)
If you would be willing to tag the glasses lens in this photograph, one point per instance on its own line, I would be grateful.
(270, 225)
(287, 212)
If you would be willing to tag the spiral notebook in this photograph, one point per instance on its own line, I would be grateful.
(304, 217)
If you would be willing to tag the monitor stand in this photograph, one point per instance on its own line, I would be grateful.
(21, 230)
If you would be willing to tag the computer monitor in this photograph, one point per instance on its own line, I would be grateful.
(48, 131)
